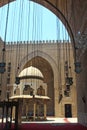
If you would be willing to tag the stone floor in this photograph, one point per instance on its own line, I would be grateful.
(52, 120)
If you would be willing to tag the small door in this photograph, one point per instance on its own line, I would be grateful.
(68, 110)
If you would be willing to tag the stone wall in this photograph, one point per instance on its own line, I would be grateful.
(50, 59)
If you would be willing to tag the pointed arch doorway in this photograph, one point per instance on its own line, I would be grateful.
(46, 69)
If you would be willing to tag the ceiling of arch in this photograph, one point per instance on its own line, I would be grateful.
(75, 12)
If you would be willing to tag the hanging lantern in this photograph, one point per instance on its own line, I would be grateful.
(69, 81)
(2, 67)
(66, 93)
(3, 49)
(78, 67)
(17, 81)
(68, 87)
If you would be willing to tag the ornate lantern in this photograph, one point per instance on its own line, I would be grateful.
(78, 67)
(2, 67)
(17, 81)
(69, 81)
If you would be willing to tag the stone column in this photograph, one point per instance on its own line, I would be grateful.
(26, 110)
(45, 109)
(20, 111)
(13, 112)
(34, 110)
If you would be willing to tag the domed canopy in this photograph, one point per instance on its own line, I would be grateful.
(31, 72)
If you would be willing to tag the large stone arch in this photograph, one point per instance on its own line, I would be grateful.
(78, 17)
(54, 67)
(58, 8)
(41, 54)
(68, 12)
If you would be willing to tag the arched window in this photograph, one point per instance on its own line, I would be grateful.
(28, 90)
(41, 91)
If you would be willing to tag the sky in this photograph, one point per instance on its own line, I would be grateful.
(24, 20)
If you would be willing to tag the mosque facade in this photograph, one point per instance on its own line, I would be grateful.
(44, 70)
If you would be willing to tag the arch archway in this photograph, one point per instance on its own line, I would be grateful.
(48, 67)
(6, 1)
(58, 8)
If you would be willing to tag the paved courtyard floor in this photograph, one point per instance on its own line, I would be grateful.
(52, 120)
